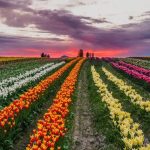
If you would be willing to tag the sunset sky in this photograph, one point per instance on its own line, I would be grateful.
(116, 28)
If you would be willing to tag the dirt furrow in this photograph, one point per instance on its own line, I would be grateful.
(84, 135)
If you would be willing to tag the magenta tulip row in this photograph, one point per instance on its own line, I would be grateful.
(132, 70)
(135, 68)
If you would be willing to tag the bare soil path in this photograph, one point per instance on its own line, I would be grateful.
(84, 135)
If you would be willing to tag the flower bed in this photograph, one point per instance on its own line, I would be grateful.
(128, 90)
(9, 113)
(132, 136)
(52, 126)
(136, 74)
(9, 86)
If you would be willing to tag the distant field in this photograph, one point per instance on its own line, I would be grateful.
(11, 58)
(6, 60)
(145, 58)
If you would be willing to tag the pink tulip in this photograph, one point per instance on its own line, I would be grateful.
(135, 71)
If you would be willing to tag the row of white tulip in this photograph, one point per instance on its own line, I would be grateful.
(12, 80)
(132, 136)
(128, 90)
(4, 92)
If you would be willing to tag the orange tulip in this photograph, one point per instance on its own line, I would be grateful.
(12, 111)
(52, 125)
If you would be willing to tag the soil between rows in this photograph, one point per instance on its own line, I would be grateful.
(84, 135)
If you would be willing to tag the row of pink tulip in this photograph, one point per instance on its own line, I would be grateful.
(135, 68)
(133, 72)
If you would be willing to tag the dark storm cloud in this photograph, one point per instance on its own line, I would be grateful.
(131, 17)
(17, 42)
(100, 20)
(147, 13)
(77, 3)
(5, 4)
(74, 5)
(62, 22)
(57, 21)
(14, 4)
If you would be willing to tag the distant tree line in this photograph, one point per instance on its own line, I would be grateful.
(80, 54)
(45, 55)
(88, 55)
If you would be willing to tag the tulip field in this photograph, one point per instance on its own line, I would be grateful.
(74, 103)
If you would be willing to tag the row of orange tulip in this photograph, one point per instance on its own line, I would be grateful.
(9, 113)
(52, 126)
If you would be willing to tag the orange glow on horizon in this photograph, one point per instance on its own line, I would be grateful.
(70, 52)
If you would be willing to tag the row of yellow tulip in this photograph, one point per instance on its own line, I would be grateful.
(132, 136)
(52, 126)
(128, 90)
